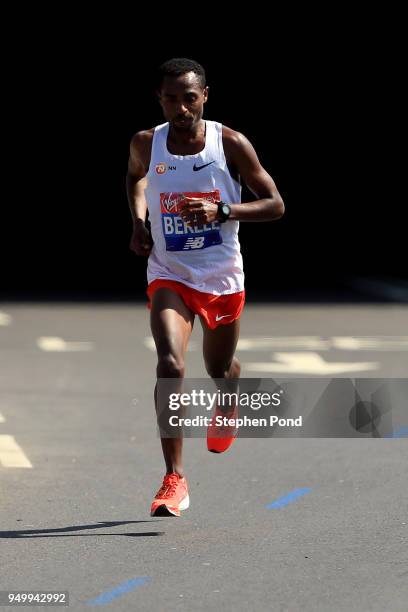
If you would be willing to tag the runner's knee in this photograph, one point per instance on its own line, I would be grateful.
(170, 366)
(231, 369)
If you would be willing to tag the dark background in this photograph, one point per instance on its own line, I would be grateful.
(318, 109)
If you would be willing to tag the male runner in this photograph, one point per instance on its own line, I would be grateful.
(187, 174)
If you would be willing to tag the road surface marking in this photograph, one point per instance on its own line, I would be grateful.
(370, 343)
(149, 343)
(281, 342)
(5, 319)
(311, 343)
(289, 498)
(123, 588)
(11, 454)
(307, 363)
(316, 343)
(58, 345)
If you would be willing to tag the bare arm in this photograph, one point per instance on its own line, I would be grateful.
(136, 182)
(269, 205)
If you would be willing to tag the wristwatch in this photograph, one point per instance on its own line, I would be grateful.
(224, 211)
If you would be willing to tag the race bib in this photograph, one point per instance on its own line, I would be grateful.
(182, 237)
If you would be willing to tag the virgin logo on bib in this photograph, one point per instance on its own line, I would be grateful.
(182, 237)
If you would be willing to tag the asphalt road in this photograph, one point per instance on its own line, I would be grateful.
(80, 462)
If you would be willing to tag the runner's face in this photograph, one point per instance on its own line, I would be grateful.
(182, 100)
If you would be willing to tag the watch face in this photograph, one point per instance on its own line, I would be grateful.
(225, 209)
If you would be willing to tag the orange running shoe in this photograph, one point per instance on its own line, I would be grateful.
(171, 497)
(220, 437)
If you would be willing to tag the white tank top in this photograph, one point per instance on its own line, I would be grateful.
(207, 257)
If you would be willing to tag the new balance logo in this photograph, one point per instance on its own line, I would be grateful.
(194, 243)
(197, 168)
(219, 317)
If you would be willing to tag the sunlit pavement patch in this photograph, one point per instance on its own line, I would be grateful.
(289, 498)
(118, 591)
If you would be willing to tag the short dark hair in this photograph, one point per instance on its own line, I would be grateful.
(177, 66)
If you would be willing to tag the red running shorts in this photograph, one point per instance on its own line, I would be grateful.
(214, 309)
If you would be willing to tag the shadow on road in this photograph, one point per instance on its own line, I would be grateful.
(59, 532)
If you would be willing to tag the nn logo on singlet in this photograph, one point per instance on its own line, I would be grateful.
(162, 168)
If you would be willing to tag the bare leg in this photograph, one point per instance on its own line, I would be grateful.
(219, 346)
(171, 324)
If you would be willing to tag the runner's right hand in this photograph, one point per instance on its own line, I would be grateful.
(141, 242)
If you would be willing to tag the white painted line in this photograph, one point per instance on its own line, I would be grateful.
(58, 345)
(316, 343)
(308, 363)
(2, 419)
(281, 342)
(311, 343)
(149, 343)
(5, 319)
(371, 343)
(11, 454)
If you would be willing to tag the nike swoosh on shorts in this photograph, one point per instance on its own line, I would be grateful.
(218, 317)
